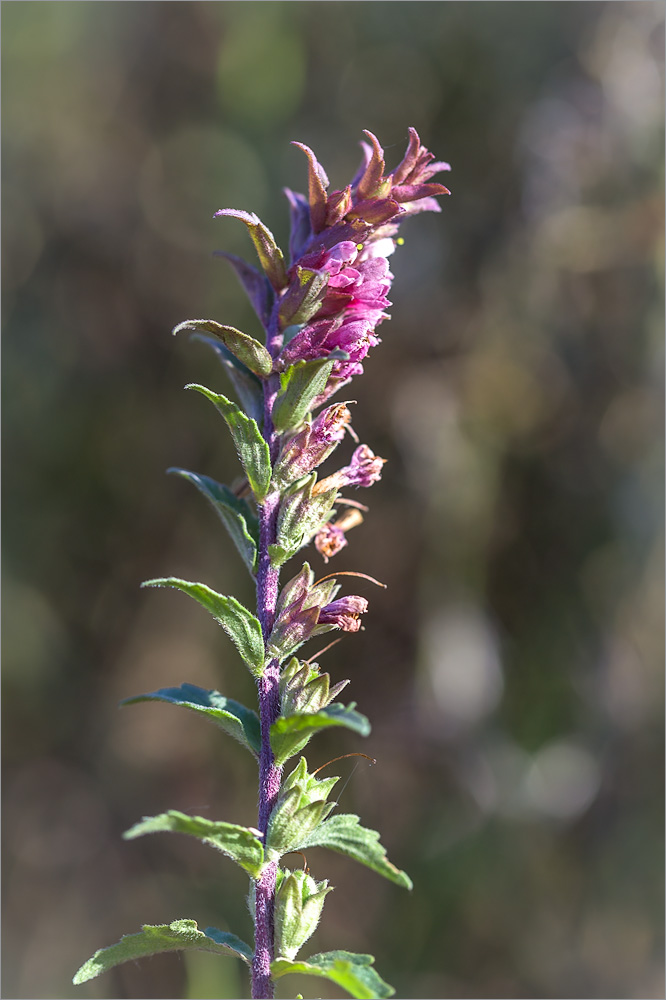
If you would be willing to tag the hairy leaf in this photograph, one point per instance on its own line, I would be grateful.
(344, 834)
(290, 734)
(236, 514)
(246, 349)
(153, 939)
(235, 719)
(250, 445)
(247, 386)
(242, 627)
(353, 972)
(269, 253)
(238, 842)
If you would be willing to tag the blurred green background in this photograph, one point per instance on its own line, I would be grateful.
(513, 668)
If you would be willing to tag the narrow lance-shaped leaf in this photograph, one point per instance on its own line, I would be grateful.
(269, 253)
(235, 514)
(180, 935)
(239, 843)
(291, 733)
(242, 627)
(247, 386)
(344, 834)
(246, 349)
(354, 973)
(250, 445)
(255, 285)
(235, 719)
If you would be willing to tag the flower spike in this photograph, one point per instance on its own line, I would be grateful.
(321, 312)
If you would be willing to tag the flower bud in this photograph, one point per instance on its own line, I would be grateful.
(298, 907)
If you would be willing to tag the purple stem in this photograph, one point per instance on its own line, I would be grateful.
(270, 775)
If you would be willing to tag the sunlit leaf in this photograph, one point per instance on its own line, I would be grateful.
(344, 834)
(354, 973)
(242, 627)
(154, 939)
(238, 842)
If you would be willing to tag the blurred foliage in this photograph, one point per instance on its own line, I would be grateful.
(513, 669)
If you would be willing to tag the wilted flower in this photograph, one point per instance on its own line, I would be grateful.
(313, 443)
(344, 613)
(364, 469)
(331, 538)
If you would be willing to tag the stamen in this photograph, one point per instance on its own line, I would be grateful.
(305, 860)
(352, 503)
(349, 572)
(324, 650)
(342, 757)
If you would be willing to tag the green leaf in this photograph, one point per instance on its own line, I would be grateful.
(290, 734)
(248, 387)
(344, 834)
(301, 384)
(246, 349)
(232, 942)
(250, 445)
(353, 972)
(270, 255)
(235, 719)
(238, 842)
(235, 514)
(243, 628)
(153, 939)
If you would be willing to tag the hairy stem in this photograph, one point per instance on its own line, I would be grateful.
(270, 775)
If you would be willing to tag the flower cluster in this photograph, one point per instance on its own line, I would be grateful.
(339, 246)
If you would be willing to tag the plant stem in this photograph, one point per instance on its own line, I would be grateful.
(270, 775)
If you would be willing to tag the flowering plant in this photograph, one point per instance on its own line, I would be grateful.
(320, 315)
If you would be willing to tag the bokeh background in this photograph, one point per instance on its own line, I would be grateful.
(513, 667)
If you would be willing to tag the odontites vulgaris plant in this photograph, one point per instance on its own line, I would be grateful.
(320, 313)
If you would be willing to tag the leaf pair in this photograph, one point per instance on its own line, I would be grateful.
(288, 735)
